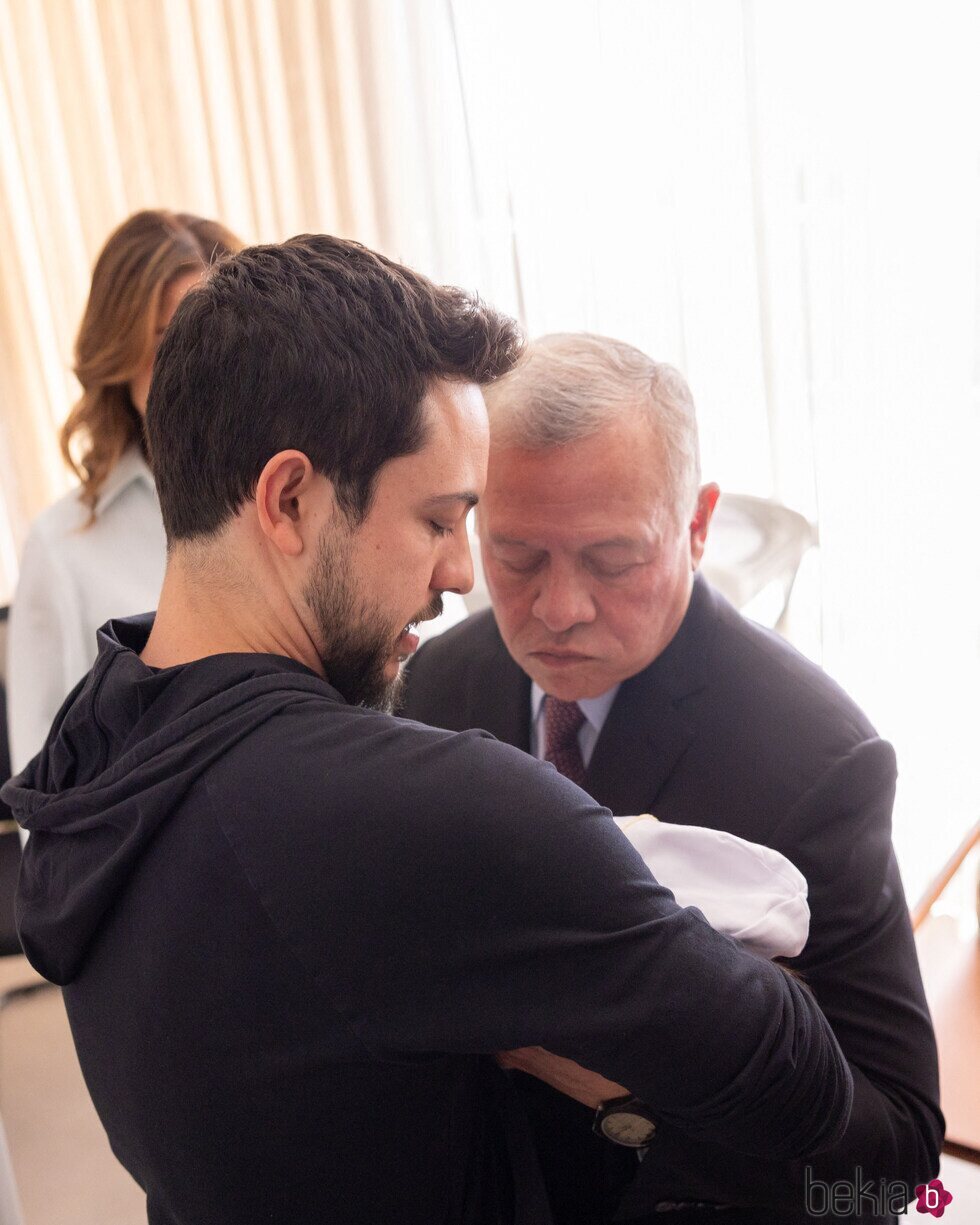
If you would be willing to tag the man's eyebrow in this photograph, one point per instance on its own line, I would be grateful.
(447, 499)
(616, 542)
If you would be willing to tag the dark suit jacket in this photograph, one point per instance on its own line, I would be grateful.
(730, 727)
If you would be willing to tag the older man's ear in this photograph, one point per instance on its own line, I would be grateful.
(707, 501)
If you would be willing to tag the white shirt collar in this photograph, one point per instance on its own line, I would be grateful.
(594, 709)
(132, 467)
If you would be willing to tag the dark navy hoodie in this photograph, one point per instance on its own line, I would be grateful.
(291, 931)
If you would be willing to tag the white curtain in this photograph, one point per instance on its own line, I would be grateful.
(252, 111)
(782, 199)
(779, 197)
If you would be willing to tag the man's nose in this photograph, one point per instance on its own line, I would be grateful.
(455, 569)
(563, 601)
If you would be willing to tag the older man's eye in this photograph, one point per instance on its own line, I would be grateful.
(520, 565)
(440, 529)
(607, 571)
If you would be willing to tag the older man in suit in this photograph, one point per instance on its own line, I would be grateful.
(606, 654)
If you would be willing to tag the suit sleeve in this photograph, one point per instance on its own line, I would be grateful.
(862, 967)
(429, 694)
(505, 909)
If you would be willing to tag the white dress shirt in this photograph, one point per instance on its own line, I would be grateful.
(73, 579)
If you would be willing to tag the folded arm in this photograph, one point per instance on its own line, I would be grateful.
(861, 965)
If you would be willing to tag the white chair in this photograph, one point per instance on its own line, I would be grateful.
(10, 1212)
(755, 544)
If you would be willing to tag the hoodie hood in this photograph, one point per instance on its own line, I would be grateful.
(125, 748)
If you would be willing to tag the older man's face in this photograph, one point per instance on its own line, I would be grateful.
(589, 571)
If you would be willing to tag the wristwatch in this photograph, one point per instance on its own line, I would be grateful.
(625, 1120)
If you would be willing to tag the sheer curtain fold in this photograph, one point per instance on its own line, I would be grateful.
(253, 111)
(784, 202)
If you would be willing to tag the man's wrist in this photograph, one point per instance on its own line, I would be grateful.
(625, 1120)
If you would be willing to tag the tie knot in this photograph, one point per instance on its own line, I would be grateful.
(563, 720)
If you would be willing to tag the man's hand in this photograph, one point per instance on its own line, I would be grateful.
(565, 1075)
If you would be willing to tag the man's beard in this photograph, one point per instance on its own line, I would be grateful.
(357, 641)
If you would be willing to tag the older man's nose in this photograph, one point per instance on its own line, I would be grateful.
(562, 602)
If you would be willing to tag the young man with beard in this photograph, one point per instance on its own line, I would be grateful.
(293, 929)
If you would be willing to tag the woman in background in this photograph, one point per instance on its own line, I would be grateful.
(100, 551)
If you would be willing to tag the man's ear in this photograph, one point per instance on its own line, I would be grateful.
(707, 501)
(290, 513)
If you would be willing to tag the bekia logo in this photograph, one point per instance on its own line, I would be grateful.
(863, 1195)
(932, 1197)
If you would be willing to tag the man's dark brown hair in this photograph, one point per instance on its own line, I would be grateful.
(316, 344)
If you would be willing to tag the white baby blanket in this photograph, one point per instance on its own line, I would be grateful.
(744, 890)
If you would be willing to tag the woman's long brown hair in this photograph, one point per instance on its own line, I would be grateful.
(139, 260)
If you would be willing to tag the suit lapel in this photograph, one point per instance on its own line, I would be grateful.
(641, 740)
(499, 693)
(647, 731)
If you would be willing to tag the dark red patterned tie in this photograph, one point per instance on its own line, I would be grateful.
(562, 723)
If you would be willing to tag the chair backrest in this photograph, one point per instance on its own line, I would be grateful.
(754, 542)
(9, 838)
(934, 890)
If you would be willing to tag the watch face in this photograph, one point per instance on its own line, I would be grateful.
(629, 1128)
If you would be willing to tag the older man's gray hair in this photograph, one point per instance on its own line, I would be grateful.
(570, 385)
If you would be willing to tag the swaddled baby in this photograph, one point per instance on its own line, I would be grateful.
(744, 890)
